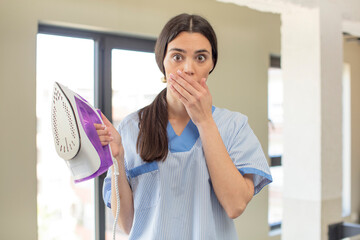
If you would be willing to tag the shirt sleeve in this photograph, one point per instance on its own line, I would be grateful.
(107, 189)
(246, 152)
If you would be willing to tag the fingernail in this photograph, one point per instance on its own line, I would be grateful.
(111, 138)
(178, 71)
(171, 75)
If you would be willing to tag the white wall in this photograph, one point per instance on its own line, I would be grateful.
(246, 38)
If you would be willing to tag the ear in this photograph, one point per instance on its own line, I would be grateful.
(212, 67)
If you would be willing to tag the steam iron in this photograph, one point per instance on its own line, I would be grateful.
(75, 137)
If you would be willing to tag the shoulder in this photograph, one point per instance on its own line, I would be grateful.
(129, 121)
(224, 117)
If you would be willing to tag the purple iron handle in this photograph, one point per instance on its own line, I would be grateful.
(87, 119)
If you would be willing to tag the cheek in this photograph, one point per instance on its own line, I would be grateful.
(206, 70)
(169, 67)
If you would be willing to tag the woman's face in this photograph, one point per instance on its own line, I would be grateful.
(190, 53)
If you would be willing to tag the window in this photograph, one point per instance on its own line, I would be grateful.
(275, 114)
(61, 203)
(275, 117)
(135, 81)
(99, 67)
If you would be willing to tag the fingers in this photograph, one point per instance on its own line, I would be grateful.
(179, 82)
(105, 120)
(177, 94)
(185, 91)
(188, 88)
(181, 91)
(204, 85)
(104, 134)
(183, 78)
(105, 140)
(99, 126)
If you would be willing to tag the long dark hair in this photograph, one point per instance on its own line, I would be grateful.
(152, 142)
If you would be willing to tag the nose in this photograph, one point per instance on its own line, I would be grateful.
(189, 67)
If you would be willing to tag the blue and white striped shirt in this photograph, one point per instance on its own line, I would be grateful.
(174, 199)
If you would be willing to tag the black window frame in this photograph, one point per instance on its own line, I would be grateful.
(104, 44)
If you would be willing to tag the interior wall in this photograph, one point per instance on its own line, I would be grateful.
(246, 39)
(352, 57)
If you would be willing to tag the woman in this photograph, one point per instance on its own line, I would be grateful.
(186, 167)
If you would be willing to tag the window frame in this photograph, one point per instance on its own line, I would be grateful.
(275, 62)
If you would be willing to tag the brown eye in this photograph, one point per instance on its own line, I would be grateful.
(177, 57)
(201, 58)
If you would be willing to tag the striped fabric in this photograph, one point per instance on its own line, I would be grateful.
(174, 199)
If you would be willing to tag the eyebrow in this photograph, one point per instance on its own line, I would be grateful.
(183, 51)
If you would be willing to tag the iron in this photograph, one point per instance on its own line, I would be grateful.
(75, 137)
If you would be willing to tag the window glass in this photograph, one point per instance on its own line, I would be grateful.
(136, 80)
(275, 113)
(275, 116)
(65, 210)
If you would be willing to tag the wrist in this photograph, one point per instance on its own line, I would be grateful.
(118, 151)
(120, 158)
(206, 125)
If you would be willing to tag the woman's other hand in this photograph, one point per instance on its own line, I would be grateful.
(108, 134)
(195, 96)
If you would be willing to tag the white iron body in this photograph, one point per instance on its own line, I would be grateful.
(75, 140)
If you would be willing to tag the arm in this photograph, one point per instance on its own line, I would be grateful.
(126, 199)
(233, 190)
(109, 135)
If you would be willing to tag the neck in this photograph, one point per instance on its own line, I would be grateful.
(176, 109)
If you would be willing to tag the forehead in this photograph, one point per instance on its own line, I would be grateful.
(190, 42)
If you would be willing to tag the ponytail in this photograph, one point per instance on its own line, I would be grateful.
(152, 142)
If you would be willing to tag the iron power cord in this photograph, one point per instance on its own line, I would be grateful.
(116, 174)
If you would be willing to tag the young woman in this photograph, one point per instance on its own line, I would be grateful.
(186, 167)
